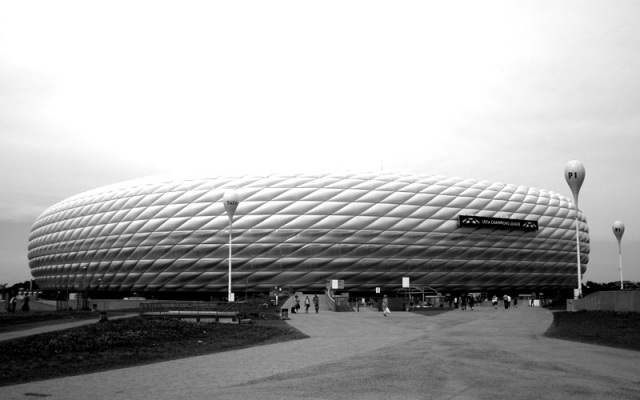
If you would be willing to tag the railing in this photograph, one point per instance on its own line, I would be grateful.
(336, 303)
(342, 304)
(331, 303)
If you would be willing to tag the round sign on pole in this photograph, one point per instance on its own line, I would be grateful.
(230, 201)
(574, 173)
(618, 230)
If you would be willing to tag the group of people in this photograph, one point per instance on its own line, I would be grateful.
(14, 302)
(507, 301)
(307, 304)
(467, 301)
(463, 302)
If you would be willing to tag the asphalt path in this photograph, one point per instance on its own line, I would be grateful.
(479, 354)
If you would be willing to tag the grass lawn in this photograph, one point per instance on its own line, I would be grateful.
(122, 343)
(23, 321)
(604, 328)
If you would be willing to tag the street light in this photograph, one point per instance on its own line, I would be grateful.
(230, 201)
(618, 230)
(574, 173)
(85, 291)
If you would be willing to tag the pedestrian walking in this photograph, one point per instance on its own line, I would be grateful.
(515, 301)
(506, 301)
(494, 301)
(307, 303)
(25, 304)
(316, 302)
(385, 306)
(297, 304)
(472, 301)
(12, 304)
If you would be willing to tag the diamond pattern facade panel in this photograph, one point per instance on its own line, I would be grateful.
(171, 235)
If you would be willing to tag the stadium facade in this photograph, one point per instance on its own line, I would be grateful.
(167, 235)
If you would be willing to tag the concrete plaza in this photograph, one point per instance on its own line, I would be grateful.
(480, 354)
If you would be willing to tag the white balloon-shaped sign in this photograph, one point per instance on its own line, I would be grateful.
(618, 230)
(230, 201)
(574, 173)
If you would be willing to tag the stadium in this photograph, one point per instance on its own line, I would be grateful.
(168, 236)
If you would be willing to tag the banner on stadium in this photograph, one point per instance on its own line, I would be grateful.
(496, 223)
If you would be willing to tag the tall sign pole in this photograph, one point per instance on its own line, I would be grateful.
(618, 230)
(574, 173)
(230, 201)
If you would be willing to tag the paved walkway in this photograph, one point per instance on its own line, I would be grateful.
(480, 354)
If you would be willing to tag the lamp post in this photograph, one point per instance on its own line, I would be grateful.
(618, 230)
(83, 299)
(230, 201)
(574, 173)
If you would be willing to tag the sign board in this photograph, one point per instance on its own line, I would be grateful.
(337, 284)
(405, 282)
(496, 223)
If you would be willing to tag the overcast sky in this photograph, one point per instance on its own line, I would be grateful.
(93, 93)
